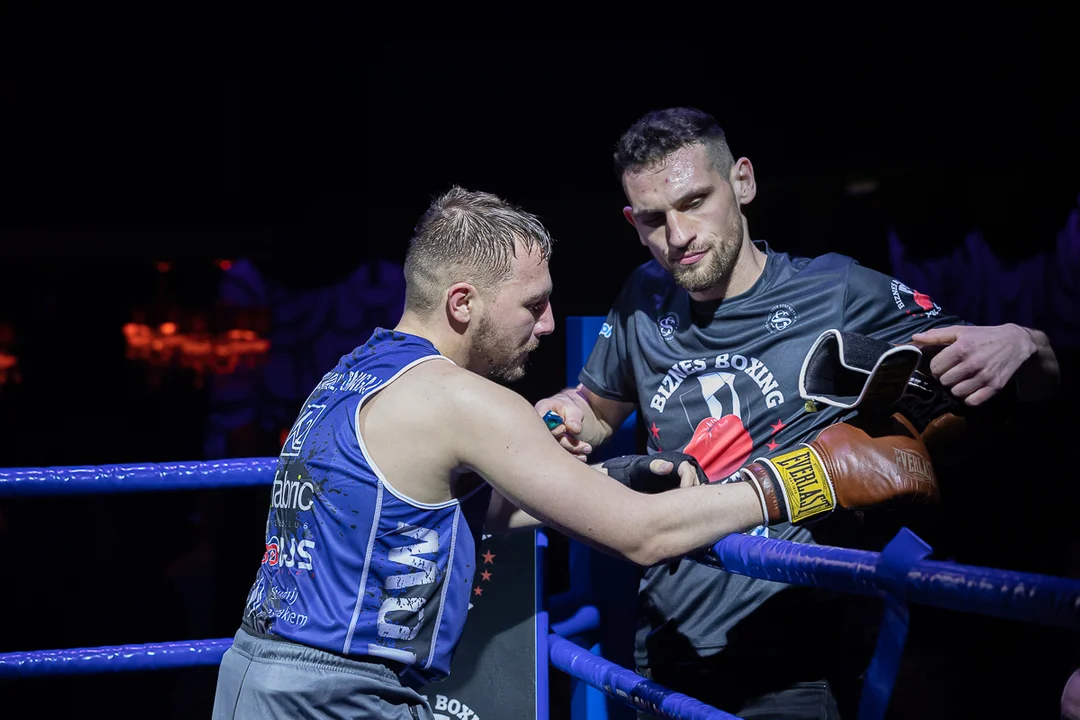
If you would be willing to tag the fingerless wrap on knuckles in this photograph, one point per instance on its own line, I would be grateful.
(633, 471)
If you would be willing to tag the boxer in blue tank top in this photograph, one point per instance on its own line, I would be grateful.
(399, 581)
(403, 454)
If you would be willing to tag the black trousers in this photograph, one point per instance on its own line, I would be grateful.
(736, 694)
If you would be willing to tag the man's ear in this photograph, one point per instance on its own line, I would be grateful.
(461, 302)
(742, 181)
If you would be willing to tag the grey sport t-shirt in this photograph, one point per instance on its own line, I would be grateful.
(720, 381)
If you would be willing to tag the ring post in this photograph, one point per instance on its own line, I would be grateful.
(901, 554)
(543, 692)
(586, 570)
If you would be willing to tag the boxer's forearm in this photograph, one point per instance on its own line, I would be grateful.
(685, 520)
(503, 517)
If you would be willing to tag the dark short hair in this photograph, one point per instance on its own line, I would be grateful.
(659, 133)
(471, 236)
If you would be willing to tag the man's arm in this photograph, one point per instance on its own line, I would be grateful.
(588, 419)
(1040, 377)
(592, 413)
(504, 517)
(498, 435)
(975, 362)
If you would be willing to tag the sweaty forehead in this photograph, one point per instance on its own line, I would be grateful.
(680, 169)
(531, 269)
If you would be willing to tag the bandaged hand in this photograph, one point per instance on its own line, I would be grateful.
(656, 473)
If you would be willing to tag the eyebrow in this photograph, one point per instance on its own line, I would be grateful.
(538, 297)
(690, 193)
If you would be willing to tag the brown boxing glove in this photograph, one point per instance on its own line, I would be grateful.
(843, 466)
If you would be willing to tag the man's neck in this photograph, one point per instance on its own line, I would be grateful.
(447, 342)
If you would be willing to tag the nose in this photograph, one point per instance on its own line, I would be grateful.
(680, 230)
(546, 324)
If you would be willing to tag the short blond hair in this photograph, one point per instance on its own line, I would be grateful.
(469, 236)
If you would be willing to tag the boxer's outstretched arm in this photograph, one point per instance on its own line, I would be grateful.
(504, 517)
(497, 434)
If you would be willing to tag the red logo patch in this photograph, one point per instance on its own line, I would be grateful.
(720, 445)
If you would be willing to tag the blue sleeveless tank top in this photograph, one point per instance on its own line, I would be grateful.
(353, 566)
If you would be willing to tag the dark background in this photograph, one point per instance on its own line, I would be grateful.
(304, 148)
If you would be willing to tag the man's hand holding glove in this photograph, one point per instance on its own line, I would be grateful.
(856, 372)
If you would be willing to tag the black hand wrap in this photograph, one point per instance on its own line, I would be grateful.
(633, 471)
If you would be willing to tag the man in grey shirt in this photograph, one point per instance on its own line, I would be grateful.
(707, 341)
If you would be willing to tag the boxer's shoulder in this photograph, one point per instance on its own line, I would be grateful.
(428, 386)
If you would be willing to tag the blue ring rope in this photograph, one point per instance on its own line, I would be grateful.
(617, 682)
(140, 477)
(1034, 598)
(626, 685)
(119, 658)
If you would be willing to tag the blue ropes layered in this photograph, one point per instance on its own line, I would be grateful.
(899, 574)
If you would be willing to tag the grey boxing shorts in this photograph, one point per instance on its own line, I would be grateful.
(262, 679)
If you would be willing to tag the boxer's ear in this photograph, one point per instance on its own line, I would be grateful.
(462, 301)
(742, 181)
